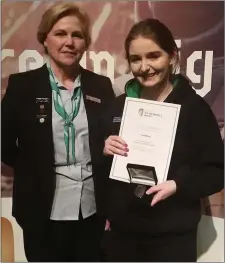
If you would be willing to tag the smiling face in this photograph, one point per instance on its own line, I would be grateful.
(149, 63)
(65, 43)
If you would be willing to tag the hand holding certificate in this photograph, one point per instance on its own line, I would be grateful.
(149, 129)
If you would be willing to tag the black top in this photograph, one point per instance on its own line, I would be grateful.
(32, 155)
(196, 166)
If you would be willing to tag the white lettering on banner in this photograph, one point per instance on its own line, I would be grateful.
(26, 55)
(8, 53)
(25, 64)
(97, 58)
(207, 71)
(30, 54)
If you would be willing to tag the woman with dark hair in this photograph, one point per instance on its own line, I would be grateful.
(162, 226)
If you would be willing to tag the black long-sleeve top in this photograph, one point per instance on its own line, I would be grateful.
(197, 167)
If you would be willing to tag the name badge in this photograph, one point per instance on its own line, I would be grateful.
(117, 119)
(93, 99)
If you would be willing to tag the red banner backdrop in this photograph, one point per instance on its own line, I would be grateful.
(197, 26)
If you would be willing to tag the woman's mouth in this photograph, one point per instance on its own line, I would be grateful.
(69, 53)
(149, 76)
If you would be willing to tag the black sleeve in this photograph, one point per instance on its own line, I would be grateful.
(108, 93)
(204, 175)
(104, 118)
(105, 126)
(9, 120)
(104, 163)
(104, 166)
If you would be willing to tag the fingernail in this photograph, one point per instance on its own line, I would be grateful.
(125, 154)
(127, 150)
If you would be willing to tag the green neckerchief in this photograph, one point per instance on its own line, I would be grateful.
(68, 119)
(133, 88)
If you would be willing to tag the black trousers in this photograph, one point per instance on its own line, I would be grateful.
(127, 247)
(65, 241)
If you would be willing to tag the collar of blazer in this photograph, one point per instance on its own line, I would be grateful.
(39, 81)
(43, 87)
(43, 80)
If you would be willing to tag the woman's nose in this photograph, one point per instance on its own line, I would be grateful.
(144, 66)
(69, 40)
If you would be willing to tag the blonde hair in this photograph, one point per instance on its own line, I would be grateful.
(58, 11)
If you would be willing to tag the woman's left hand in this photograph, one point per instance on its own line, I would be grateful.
(162, 191)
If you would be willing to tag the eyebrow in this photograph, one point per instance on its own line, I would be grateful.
(157, 52)
(64, 30)
(152, 53)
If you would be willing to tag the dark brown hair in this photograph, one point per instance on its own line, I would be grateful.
(159, 33)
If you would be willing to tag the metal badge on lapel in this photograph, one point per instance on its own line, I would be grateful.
(93, 99)
(41, 104)
(117, 119)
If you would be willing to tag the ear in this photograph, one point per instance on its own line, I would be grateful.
(173, 58)
(45, 44)
(128, 69)
(45, 47)
(174, 63)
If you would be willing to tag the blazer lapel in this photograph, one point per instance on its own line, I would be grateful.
(86, 89)
(43, 91)
(93, 109)
(43, 84)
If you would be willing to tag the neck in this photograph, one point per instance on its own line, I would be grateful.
(157, 93)
(66, 75)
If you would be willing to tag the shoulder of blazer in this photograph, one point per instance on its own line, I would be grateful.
(92, 75)
(96, 84)
(90, 78)
(20, 84)
(30, 75)
(43, 71)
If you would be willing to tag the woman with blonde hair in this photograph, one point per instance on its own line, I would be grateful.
(50, 122)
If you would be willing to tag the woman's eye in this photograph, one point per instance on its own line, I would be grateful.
(135, 59)
(78, 35)
(153, 56)
(59, 34)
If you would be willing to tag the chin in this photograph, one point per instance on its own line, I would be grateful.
(69, 63)
(149, 83)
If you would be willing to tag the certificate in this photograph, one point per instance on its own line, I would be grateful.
(149, 128)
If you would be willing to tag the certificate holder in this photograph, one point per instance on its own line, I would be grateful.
(149, 128)
(142, 175)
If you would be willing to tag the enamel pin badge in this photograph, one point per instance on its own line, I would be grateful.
(41, 107)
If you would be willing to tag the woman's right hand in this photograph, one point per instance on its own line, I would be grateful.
(115, 145)
(107, 225)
